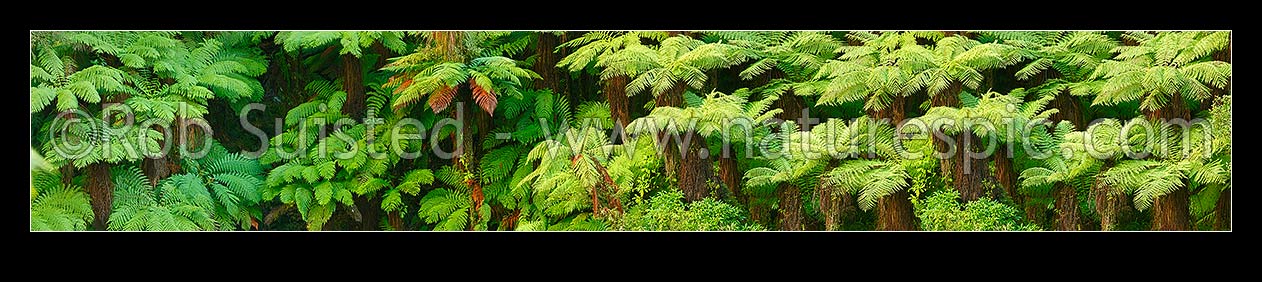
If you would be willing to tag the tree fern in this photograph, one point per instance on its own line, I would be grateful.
(55, 76)
(57, 207)
(678, 60)
(954, 60)
(1171, 168)
(233, 181)
(486, 78)
(1160, 67)
(870, 72)
(176, 204)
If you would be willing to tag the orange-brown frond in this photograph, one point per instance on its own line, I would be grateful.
(485, 98)
(440, 99)
(403, 85)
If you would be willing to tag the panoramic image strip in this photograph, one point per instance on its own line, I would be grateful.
(895, 130)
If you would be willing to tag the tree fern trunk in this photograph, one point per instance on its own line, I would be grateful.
(1006, 174)
(1222, 211)
(1113, 207)
(162, 167)
(1176, 108)
(1067, 216)
(101, 188)
(1127, 41)
(1068, 110)
(157, 168)
(730, 173)
(791, 215)
(1170, 211)
(946, 98)
(465, 154)
(385, 54)
(759, 211)
(896, 110)
(695, 168)
(353, 84)
(894, 212)
(673, 97)
(67, 174)
(545, 65)
(967, 172)
(395, 220)
(450, 44)
(370, 209)
(616, 92)
(463, 143)
(829, 206)
(1035, 213)
(838, 209)
(792, 105)
(712, 81)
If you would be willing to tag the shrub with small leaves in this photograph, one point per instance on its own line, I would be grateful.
(667, 211)
(942, 211)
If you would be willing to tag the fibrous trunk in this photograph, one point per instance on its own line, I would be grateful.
(1113, 207)
(370, 212)
(545, 64)
(482, 120)
(161, 167)
(1006, 174)
(1222, 211)
(947, 98)
(1215, 92)
(894, 112)
(791, 104)
(156, 168)
(465, 155)
(1170, 211)
(1066, 207)
(829, 205)
(967, 172)
(894, 212)
(101, 188)
(1034, 213)
(395, 220)
(672, 97)
(353, 84)
(838, 209)
(791, 215)
(1068, 109)
(694, 168)
(616, 92)
(730, 173)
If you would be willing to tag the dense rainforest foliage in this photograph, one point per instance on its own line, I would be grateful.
(639, 130)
